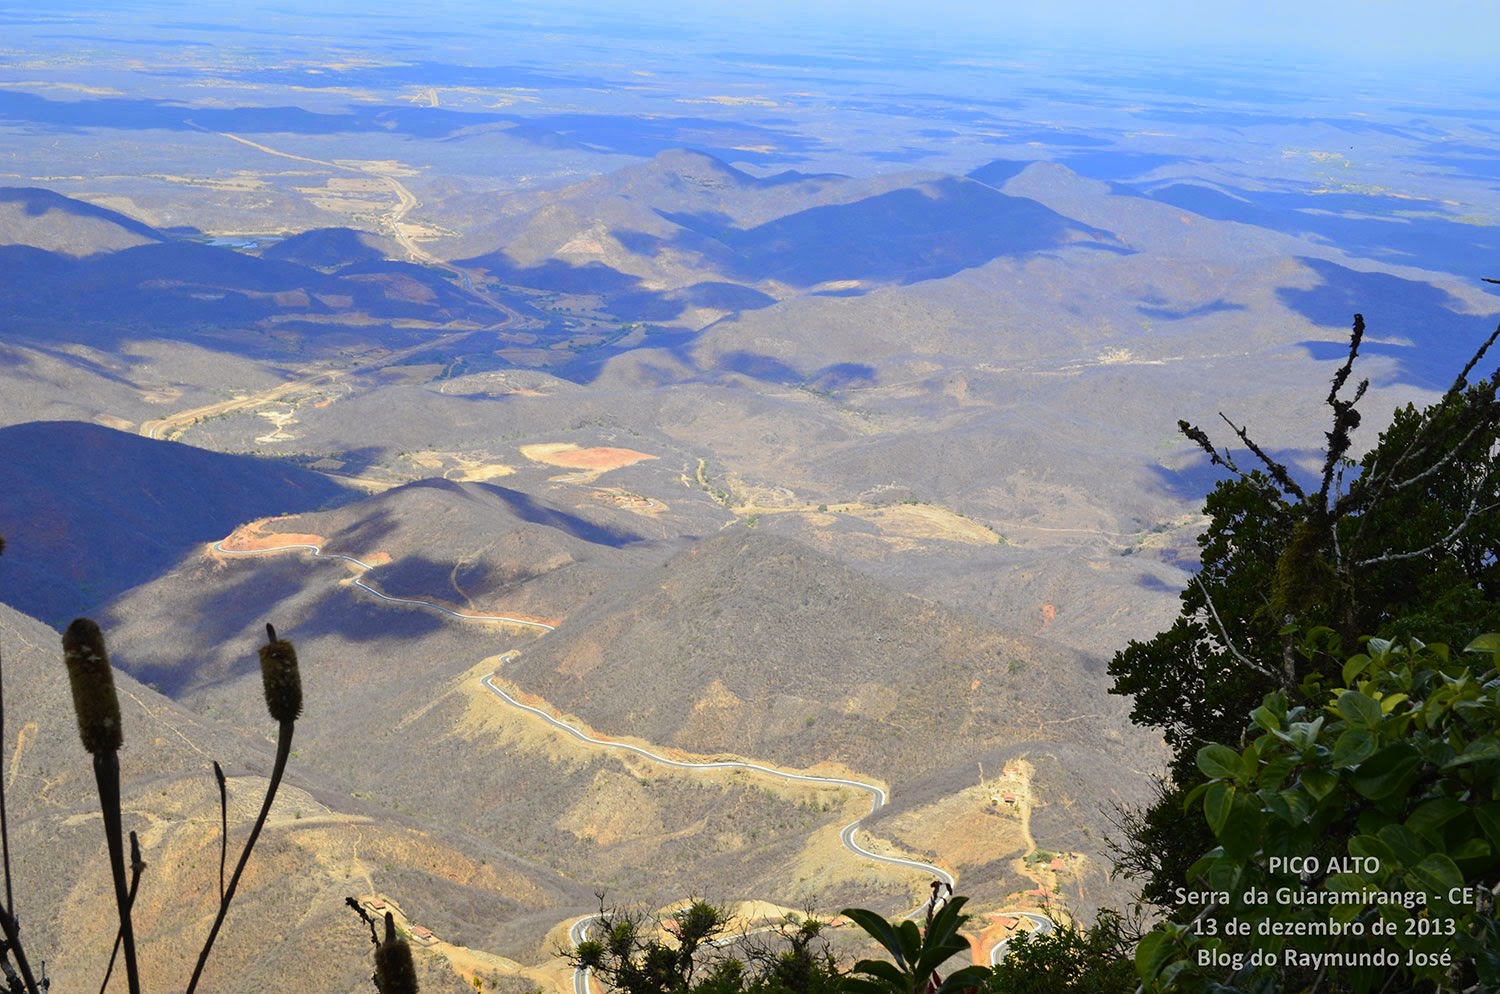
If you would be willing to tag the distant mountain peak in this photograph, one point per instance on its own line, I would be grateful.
(700, 166)
(330, 248)
(1040, 180)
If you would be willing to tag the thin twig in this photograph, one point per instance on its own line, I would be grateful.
(1447, 458)
(223, 824)
(107, 775)
(1215, 458)
(1413, 448)
(1229, 642)
(1279, 472)
(10, 901)
(13, 940)
(1462, 380)
(283, 750)
(1468, 519)
(137, 865)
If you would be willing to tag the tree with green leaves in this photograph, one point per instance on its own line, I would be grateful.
(634, 957)
(916, 954)
(1357, 835)
(641, 954)
(1068, 959)
(1404, 539)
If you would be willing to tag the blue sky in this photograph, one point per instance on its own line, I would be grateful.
(1440, 31)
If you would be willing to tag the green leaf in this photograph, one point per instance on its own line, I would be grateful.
(942, 939)
(884, 971)
(1473, 848)
(860, 985)
(1193, 796)
(878, 929)
(1276, 770)
(1319, 782)
(1382, 774)
(911, 943)
(1291, 806)
(969, 976)
(1482, 749)
(1242, 830)
(1354, 667)
(1265, 718)
(1216, 803)
(1225, 875)
(1346, 912)
(1219, 762)
(1430, 817)
(1370, 845)
(1406, 848)
(1353, 747)
(1170, 973)
(1151, 954)
(1488, 642)
(1437, 874)
(1489, 820)
(1358, 709)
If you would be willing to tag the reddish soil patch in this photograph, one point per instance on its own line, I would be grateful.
(600, 459)
(251, 538)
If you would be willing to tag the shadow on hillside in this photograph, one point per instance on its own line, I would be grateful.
(997, 172)
(226, 614)
(624, 296)
(905, 236)
(1157, 307)
(125, 114)
(188, 291)
(1472, 161)
(1113, 165)
(1197, 480)
(641, 135)
(1390, 229)
(364, 537)
(326, 249)
(654, 306)
(536, 512)
(36, 202)
(532, 510)
(91, 512)
(1154, 583)
(356, 615)
(1440, 340)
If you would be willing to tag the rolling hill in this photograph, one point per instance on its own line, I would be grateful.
(320, 845)
(91, 512)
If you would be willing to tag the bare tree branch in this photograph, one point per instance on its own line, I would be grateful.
(1473, 512)
(1448, 457)
(1200, 436)
(1278, 472)
(1462, 380)
(1224, 633)
(1355, 337)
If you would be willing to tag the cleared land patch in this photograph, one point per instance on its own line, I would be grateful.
(570, 456)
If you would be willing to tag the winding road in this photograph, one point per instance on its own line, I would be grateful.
(578, 931)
